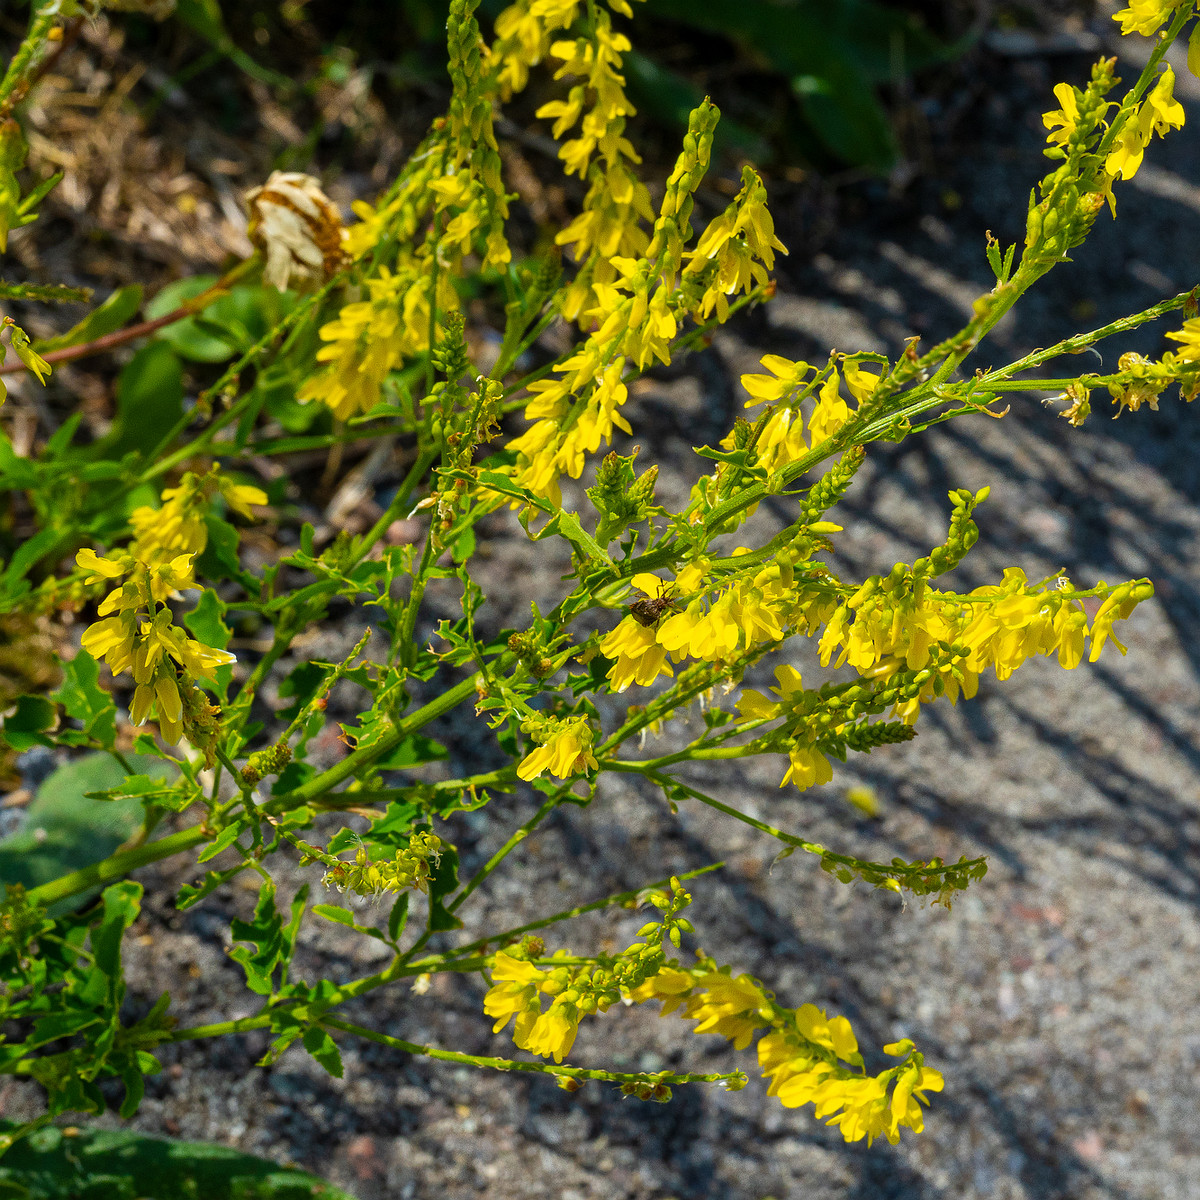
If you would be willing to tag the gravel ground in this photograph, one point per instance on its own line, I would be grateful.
(1059, 997)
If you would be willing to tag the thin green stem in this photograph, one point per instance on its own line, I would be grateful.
(507, 1064)
(514, 840)
(359, 760)
(117, 866)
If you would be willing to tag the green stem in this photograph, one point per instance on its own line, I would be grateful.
(515, 839)
(23, 61)
(507, 1064)
(117, 866)
(359, 760)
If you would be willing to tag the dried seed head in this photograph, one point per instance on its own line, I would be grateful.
(298, 227)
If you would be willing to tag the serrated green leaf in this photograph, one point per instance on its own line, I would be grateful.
(86, 701)
(324, 1049)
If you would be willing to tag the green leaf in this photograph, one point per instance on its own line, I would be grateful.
(335, 913)
(27, 725)
(219, 559)
(65, 831)
(105, 319)
(265, 933)
(398, 917)
(87, 702)
(122, 903)
(324, 1049)
(222, 841)
(183, 336)
(149, 403)
(118, 1164)
(206, 624)
(27, 554)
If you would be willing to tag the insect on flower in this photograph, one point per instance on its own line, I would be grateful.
(650, 611)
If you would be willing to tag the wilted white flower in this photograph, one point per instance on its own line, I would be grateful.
(297, 226)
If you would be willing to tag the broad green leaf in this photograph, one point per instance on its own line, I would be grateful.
(28, 723)
(65, 831)
(149, 403)
(49, 1164)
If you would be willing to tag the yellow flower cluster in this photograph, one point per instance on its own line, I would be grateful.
(737, 250)
(809, 1057)
(877, 631)
(369, 338)
(178, 526)
(141, 639)
(565, 748)
(1157, 114)
(523, 33)
(750, 611)
(408, 869)
(638, 313)
(609, 224)
(135, 632)
(517, 992)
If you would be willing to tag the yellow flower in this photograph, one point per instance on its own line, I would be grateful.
(785, 377)
(831, 411)
(553, 1032)
(832, 1033)
(639, 657)
(735, 1008)
(807, 767)
(1145, 16)
(1159, 112)
(565, 750)
(1062, 121)
(1189, 339)
(670, 985)
(514, 994)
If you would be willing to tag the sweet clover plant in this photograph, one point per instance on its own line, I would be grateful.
(665, 608)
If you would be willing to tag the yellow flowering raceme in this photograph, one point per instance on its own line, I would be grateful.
(565, 748)
(809, 1058)
(136, 634)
